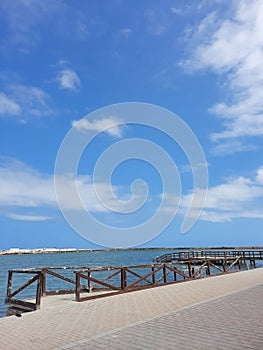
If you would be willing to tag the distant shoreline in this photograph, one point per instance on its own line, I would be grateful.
(17, 251)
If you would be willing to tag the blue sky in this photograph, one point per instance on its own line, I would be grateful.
(61, 60)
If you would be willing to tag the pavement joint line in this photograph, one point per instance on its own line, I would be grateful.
(153, 318)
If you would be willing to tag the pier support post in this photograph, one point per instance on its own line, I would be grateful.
(189, 269)
(208, 272)
(175, 276)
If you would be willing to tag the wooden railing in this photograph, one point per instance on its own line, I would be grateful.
(23, 303)
(122, 279)
(96, 282)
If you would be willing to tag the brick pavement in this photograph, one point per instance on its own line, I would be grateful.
(233, 322)
(213, 313)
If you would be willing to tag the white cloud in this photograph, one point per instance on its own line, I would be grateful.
(239, 197)
(109, 125)
(8, 106)
(232, 47)
(32, 218)
(26, 189)
(28, 22)
(68, 79)
(231, 147)
(176, 11)
(22, 186)
(125, 32)
(24, 102)
(260, 175)
(33, 100)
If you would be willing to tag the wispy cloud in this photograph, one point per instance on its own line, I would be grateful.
(239, 197)
(24, 102)
(8, 106)
(232, 47)
(177, 11)
(109, 125)
(155, 22)
(125, 32)
(33, 100)
(32, 218)
(27, 22)
(68, 79)
(231, 146)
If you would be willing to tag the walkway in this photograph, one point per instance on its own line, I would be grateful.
(223, 312)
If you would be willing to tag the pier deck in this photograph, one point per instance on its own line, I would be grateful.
(222, 312)
(251, 255)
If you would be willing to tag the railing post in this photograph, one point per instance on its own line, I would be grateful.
(224, 264)
(77, 288)
(239, 264)
(89, 284)
(153, 275)
(39, 290)
(9, 284)
(44, 282)
(164, 273)
(123, 278)
(189, 269)
(208, 272)
(175, 276)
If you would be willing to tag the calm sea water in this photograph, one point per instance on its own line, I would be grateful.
(96, 258)
(93, 258)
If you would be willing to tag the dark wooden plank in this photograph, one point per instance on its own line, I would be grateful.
(60, 292)
(23, 303)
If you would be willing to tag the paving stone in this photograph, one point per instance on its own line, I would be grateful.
(223, 312)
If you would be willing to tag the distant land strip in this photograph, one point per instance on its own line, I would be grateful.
(18, 251)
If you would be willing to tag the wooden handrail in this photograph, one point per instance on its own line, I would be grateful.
(121, 279)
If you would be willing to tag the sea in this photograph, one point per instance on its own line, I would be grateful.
(81, 258)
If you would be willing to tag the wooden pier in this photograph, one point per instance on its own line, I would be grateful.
(245, 256)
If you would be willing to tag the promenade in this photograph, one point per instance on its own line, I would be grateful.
(223, 312)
